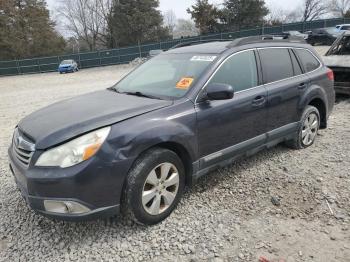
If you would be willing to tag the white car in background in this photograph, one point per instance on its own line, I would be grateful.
(296, 33)
(344, 27)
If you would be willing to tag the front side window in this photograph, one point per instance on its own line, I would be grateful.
(276, 64)
(166, 76)
(239, 71)
(309, 62)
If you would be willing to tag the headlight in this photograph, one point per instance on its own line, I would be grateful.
(75, 151)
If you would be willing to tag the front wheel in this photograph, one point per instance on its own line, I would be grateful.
(307, 130)
(154, 186)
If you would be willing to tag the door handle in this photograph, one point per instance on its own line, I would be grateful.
(259, 100)
(302, 85)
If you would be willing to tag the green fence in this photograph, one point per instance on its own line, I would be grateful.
(127, 54)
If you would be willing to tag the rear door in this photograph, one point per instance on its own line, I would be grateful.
(285, 84)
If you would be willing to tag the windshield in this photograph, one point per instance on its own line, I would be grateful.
(65, 62)
(166, 75)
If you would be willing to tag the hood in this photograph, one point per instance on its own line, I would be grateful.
(65, 65)
(337, 60)
(67, 119)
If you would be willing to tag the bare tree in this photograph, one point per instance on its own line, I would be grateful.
(293, 16)
(87, 20)
(276, 16)
(340, 7)
(313, 9)
(185, 28)
(170, 21)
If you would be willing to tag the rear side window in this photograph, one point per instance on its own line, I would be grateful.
(276, 64)
(239, 71)
(309, 62)
(296, 66)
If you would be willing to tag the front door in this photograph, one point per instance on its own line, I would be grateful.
(228, 127)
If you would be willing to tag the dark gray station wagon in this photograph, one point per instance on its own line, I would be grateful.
(136, 145)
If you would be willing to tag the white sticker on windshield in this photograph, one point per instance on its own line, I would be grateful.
(206, 58)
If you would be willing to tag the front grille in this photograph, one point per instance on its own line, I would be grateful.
(22, 155)
(23, 149)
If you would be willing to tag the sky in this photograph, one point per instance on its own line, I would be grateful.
(180, 6)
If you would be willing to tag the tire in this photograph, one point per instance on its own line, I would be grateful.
(145, 201)
(301, 140)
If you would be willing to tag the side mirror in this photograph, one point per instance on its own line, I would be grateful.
(216, 91)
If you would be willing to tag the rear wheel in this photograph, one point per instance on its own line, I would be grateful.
(154, 186)
(308, 129)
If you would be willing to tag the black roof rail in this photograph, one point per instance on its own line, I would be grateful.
(266, 38)
(197, 42)
(246, 40)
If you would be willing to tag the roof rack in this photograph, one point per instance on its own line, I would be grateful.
(282, 38)
(197, 42)
(265, 38)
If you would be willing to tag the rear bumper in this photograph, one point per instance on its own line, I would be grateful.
(342, 88)
(342, 79)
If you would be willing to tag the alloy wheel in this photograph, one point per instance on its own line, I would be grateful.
(160, 188)
(310, 129)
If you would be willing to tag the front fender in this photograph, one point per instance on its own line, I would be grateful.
(174, 124)
(160, 132)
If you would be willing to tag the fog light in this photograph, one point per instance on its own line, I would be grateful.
(65, 207)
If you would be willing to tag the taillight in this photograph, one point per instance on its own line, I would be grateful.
(330, 75)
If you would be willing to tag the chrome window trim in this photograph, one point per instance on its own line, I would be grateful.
(217, 69)
(260, 48)
(319, 61)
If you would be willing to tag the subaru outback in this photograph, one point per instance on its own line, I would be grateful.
(135, 146)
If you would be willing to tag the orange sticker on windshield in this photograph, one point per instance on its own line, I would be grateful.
(184, 83)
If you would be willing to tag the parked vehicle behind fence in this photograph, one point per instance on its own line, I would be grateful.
(344, 27)
(323, 36)
(296, 33)
(68, 66)
(135, 146)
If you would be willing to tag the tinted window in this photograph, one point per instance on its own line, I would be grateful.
(296, 66)
(239, 71)
(309, 62)
(276, 64)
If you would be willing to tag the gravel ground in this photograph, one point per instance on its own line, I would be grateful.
(280, 203)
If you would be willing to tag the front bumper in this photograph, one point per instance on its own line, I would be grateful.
(95, 184)
(65, 69)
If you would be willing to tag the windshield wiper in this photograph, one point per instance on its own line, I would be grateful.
(140, 94)
(136, 93)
